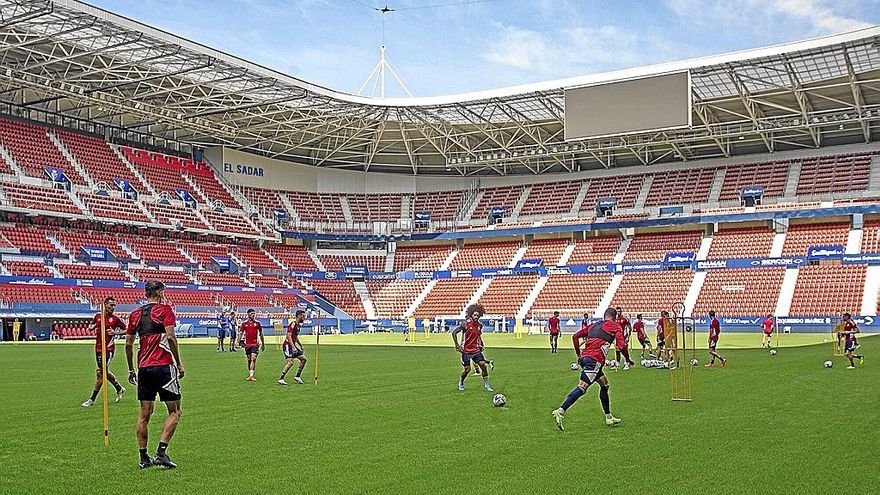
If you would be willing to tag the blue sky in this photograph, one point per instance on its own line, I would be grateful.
(487, 44)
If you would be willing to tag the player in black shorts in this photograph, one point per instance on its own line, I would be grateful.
(293, 348)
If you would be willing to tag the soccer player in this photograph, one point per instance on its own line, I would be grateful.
(251, 329)
(471, 348)
(158, 352)
(627, 331)
(233, 334)
(597, 340)
(850, 329)
(223, 322)
(292, 348)
(661, 333)
(767, 327)
(553, 326)
(714, 331)
(639, 327)
(113, 326)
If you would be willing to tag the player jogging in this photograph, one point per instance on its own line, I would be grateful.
(113, 326)
(639, 327)
(553, 326)
(471, 348)
(292, 348)
(251, 330)
(850, 329)
(767, 327)
(153, 324)
(627, 331)
(598, 339)
(714, 331)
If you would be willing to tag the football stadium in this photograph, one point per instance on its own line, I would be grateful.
(664, 278)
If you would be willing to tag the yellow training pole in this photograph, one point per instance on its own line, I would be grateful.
(16, 331)
(317, 346)
(103, 331)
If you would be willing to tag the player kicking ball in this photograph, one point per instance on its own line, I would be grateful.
(598, 338)
(471, 348)
(714, 331)
(251, 329)
(292, 348)
(850, 329)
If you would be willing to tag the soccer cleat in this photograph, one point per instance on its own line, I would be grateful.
(461, 386)
(710, 365)
(119, 394)
(861, 359)
(850, 367)
(164, 461)
(282, 382)
(251, 379)
(218, 350)
(612, 421)
(723, 363)
(88, 403)
(489, 389)
(491, 365)
(146, 462)
(558, 416)
(626, 367)
(298, 380)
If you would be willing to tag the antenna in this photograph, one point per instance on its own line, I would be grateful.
(378, 74)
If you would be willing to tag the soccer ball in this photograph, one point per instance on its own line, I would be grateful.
(499, 400)
(772, 352)
(828, 364)
(643, 362)
(694, 362)
(575, 367)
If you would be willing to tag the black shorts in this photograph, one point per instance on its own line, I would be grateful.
(98, 359)
(591, 370)
(291, 352)
(162, 380)
(661, 342)
(254, 349)
(713, 344)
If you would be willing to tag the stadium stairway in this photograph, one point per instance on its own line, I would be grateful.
(134, 172)
(872, 288)
(520, 202)
(621, 251)
(642, 198)
(475, 297)
(7, 157)
(532, 297)
(288, 206)
(346, 209)
(717, 185)
(616, 279)
(71, 159)
(786, 293)
(705, 245)
(468, 214)
(854, 242)
(198, 191)
(389, 261)
(419, 298)
(366, 301)
(791, 183)
(58, 245)
(518, 256)
(778, 244)
(317, 260)
(690, 300)
(566, 254)
(874, 177)
(79, 203)
(579, 199)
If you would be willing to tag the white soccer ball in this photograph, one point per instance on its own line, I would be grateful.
(824, 341)
(643, 362)
(499, 400)
(772, 352)
(575, 367)
(694, 362)
(828, 364)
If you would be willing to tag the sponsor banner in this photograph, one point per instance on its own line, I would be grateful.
(383, 276)
(492, 272)
(560, 270)
(55, 175)
(679, 259)
(751, 192)
(862, 259)
(671, 210)
(529, 264)
(709, 265)
(185, 195)
(607, 203)
(640, 267)
(423, 216)
(95, 254)
(825, 252)
(222, 263)
(280, 214)
(123, 185)
(498, 211)
(356, 269)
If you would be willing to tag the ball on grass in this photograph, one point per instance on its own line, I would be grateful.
(694, 362)
(828, 364)
(575, 367)
(772, 352)
(499, 400)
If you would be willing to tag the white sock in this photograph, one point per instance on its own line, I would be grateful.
(251, 372)
(486, 381)
(607, 416)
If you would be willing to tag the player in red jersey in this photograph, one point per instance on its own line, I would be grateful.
(639, 327)
(251, 330)
(627, 331)
(471, 348)
(850, 329)
(113, 327)
(767, 327)
(293, 349)
(598, 339)
(156, 373)
(585, 321)
(553, 326)
(714, 331)
(661, 333)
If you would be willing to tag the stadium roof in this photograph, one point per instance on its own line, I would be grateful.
(64, 60)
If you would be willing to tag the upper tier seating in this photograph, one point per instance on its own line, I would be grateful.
(35, 197)
(420, 257)
(190, 298)
(164, 172)
(97, 295)
(267, 281)
(448, 297)
(337, 263)
(828, 290)
(374, 207)
(652, 291)
(547, 250)
(801, 237)
(255, 258)
(212, 189)
(571, 295)
(625, 188)
(681, 187)
(266, 201)
(771, 175)
(741, 243)
(655, 246)
(99, 160)
(497, 196)
(484, 255)
(27, 268)
(166, 214)
(551, 197)
(229, 221)
(166, 276)
(75, 241)
(113, 207)
(871, 236)
(28, 239)
(203, 252)
(159, 250)
(293, 257)
(505, 295)
(443, 205)
(33, 151)
(343, 294)
(248, 300)
(840, 173)
(594, 250)
(223, 279)
(76, 270)
(749, 292)
(392, 299)
(13, 294)
(317, 207)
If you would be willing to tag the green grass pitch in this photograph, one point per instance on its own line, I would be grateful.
(389, 419)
